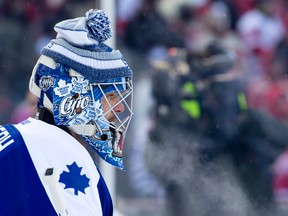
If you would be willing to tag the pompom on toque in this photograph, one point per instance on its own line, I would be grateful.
(85, 32)
(98, 25)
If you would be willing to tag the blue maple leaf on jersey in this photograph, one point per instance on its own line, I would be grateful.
(73, 179)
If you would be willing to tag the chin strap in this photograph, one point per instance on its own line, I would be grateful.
(85, 130)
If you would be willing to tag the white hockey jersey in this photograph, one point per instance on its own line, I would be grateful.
(45, 171)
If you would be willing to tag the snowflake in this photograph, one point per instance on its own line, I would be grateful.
(73, 179)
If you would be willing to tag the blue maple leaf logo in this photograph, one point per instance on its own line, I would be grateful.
(73, 179)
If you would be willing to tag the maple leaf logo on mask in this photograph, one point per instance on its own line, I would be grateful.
(63, 89)
(80, 84)
(73, 179)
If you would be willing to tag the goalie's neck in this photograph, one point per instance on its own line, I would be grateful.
(46, 116)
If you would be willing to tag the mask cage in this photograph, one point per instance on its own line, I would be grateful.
(107, 97)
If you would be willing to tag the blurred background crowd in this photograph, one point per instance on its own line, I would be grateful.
(210, 130)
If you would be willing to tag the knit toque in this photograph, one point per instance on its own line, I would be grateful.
(79, 44)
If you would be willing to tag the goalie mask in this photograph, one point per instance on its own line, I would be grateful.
(86, 85)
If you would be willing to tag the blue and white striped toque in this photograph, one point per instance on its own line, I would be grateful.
(80, 45)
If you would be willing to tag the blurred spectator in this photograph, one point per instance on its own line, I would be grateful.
(218, 19)
(194, 114)
(169, 8)
(26, 108)
(21, 24)
(149, 29)
(45, 35)
(244, 6)
(280, 184)
(212, 22)
(280, 66)
(6, 101)
(125, 14)
(194, 28)
(261, 29)
(269, 93)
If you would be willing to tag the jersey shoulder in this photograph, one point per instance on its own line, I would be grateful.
(10, 138)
